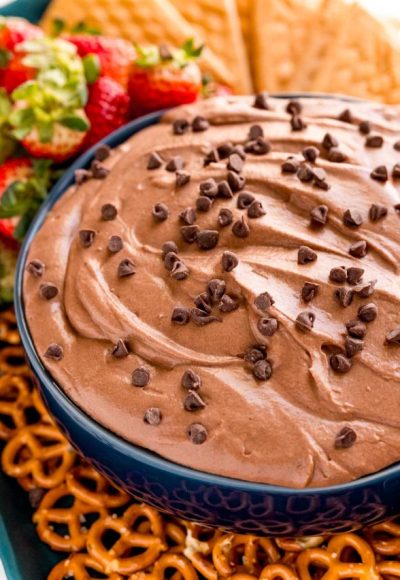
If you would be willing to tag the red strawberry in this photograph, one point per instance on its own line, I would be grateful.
(115, 55)
(13, 31)
(10, 171)
(16, 73)
(107, 109)
(163, 78)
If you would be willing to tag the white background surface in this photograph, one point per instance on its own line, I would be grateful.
(381, 8)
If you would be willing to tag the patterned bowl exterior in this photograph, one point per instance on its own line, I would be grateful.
(231, 504)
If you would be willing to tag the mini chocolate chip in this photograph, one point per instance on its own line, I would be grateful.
(209, 187)
(225, 217)
(35, 268)
(305, 173)
(48, 291)
(345, 438)
(344, 296)
(203, 203)
(182, 178)
(164, 52)
(352, 218)
(329, 141)
(262, 370)
(35, 496)
(201, 318)
(175, 164)
(377, 212)
(170, 260)
(180, 315)
(368, 312)
(397, 207)
(264, 301)
(354, 275)
(179, 270)
(228, 304)
(353, 346)
(310, 153)
(193, 402)
(236, 181)
(356, 328)
(244, 199)
(190, 233)
(229, 261)
(267, 326)
(396, 171)
(380, 173)
(297, 123)
(168, 247)
(235, 163)
(309, 291)
(102, 152)
(319, 179)
(99, 171)
(306, 255)
(199, 124)
(319, 215)
(396, 146)
(259, 146)
(82, 175)
(108, 212)
(211, 157)
(197, 433)
(54, 352)
(126, 268)
(374, 141)
(140, 377)
(86, 237)
(365, 290)
(160, 212)
(240, 228)
(115, 244)
(224, 190)
(180, 126)
(191, 381)
(224, 150)
(188, 216)
(365, 127)
(359, 249)
(255, 353)
(291, 165)
(255, 210)
(261, 101)
(152, 416)
(393, 337)
(338, 274)
(120, 349)
(203, 302)
(294, 107)
(239, 150)
(336, 155)
(305, 320)
(346, 116)
(340, 363)
(215, 290)
(207, 239)
(155, 161)
(255, 131)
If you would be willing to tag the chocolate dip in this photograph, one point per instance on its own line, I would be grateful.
(263, 341)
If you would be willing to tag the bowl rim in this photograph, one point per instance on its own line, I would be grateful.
(127, 448)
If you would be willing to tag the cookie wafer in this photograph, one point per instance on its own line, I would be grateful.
(245, 8)
(218, 24)
(149, 22)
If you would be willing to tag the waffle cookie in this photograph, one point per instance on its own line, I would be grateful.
(131, 19)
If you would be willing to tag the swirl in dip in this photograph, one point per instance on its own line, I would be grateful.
(223, 289)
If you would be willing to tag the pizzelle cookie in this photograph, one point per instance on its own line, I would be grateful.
(219, 25)
(130, 19)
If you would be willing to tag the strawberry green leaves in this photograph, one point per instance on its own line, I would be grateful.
(7, 142)
(150, 56)
(91, 65)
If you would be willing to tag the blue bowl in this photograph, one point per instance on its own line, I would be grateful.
(213, 500)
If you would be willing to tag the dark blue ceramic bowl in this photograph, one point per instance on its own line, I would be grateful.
(217, 501)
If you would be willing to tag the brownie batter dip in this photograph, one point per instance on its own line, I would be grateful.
(224, 289)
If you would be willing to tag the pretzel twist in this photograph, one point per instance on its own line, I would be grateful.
(391, 569)
(76, 567)
(41, 452)
(330, 558)
(278, 572)
(114, 559)
(8, 328)
(223, 554)
(12, 361)
(15, 398)
(389, 545)
(103, 493)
